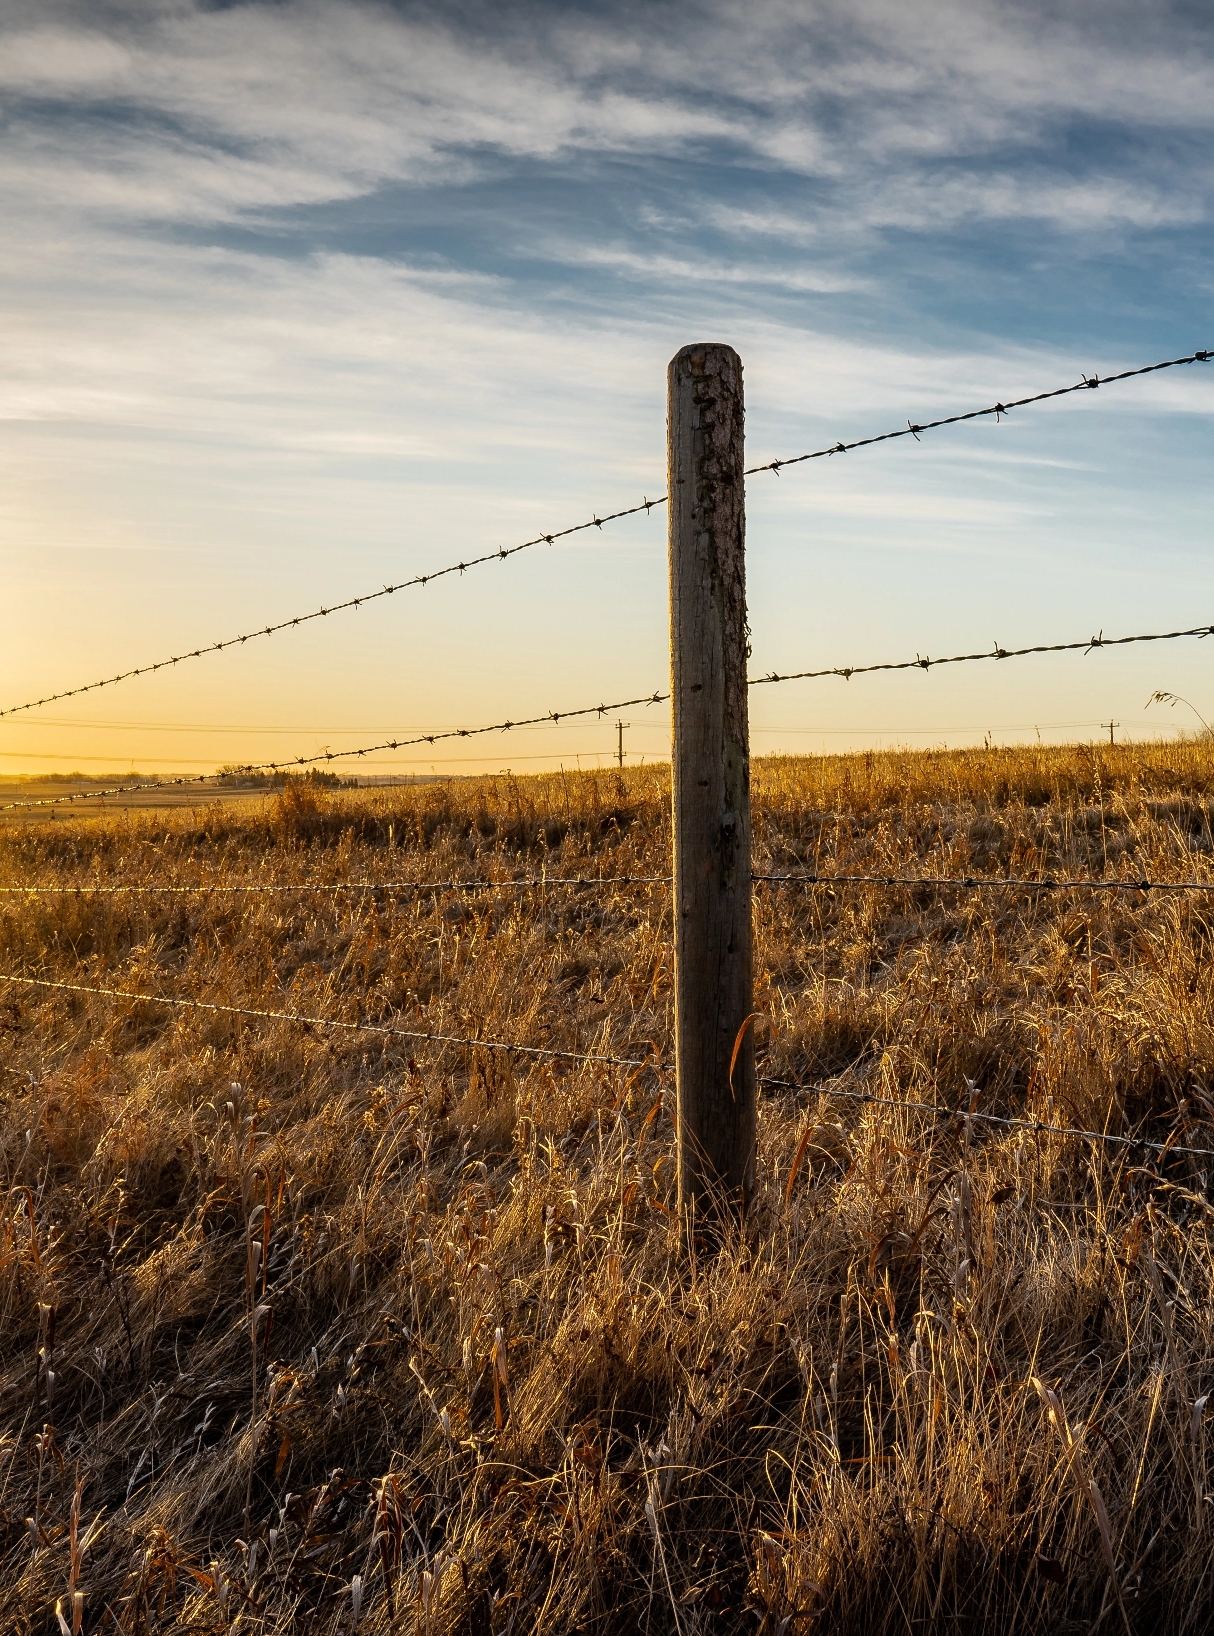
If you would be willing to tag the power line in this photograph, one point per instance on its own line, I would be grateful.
(912, 429)
(846, 671)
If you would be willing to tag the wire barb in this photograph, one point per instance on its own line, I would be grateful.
(921, 663)
(986, 883)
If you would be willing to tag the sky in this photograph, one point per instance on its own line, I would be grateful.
(305, 296)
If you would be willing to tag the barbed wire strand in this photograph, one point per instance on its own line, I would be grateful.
(328, 1022)
(1085, 384)
(418, 580)
(962, 1114)
(997, 652)
(1086, 645)
(646, 505)
(1045, 883)
(326, 756)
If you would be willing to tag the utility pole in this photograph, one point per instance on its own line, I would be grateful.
(619, 727)
(1110, 725)
(714, 1039)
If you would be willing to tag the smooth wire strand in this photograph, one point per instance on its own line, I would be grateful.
(1037, 1126)
(1044, 883)
(1087, 645)
(998, 410)
(327, 1022)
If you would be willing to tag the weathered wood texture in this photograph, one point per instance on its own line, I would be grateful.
(712, 931)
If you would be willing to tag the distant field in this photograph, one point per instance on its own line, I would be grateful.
(35, 790)
(331, 1325)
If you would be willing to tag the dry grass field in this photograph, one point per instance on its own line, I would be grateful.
(308, 1330)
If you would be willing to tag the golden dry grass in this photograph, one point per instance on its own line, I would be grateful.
(308, 1328)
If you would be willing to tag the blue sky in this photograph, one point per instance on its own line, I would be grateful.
(302, 297)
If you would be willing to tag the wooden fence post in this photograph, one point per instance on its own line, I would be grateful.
(714, 1047)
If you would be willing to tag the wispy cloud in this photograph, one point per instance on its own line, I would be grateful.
(201, 113)
(343, 284)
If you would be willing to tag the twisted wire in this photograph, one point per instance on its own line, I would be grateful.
(517, 883)
(997, 652)
(326, 1022)
(418, 580)
(1039, 1127)
(646, 505)
(1041, 883)
(1044, 883)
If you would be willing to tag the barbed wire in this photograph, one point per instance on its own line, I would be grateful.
(342, 755)
(418, 580)
(646, 505)
(330, 1022)
(1041, 883)
(846, 671)
(997, 652)
(911, 429)
(1038, 1126)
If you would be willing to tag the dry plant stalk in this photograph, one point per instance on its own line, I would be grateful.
(345, 1333)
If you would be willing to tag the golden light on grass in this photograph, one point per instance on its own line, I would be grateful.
(334, 1330)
